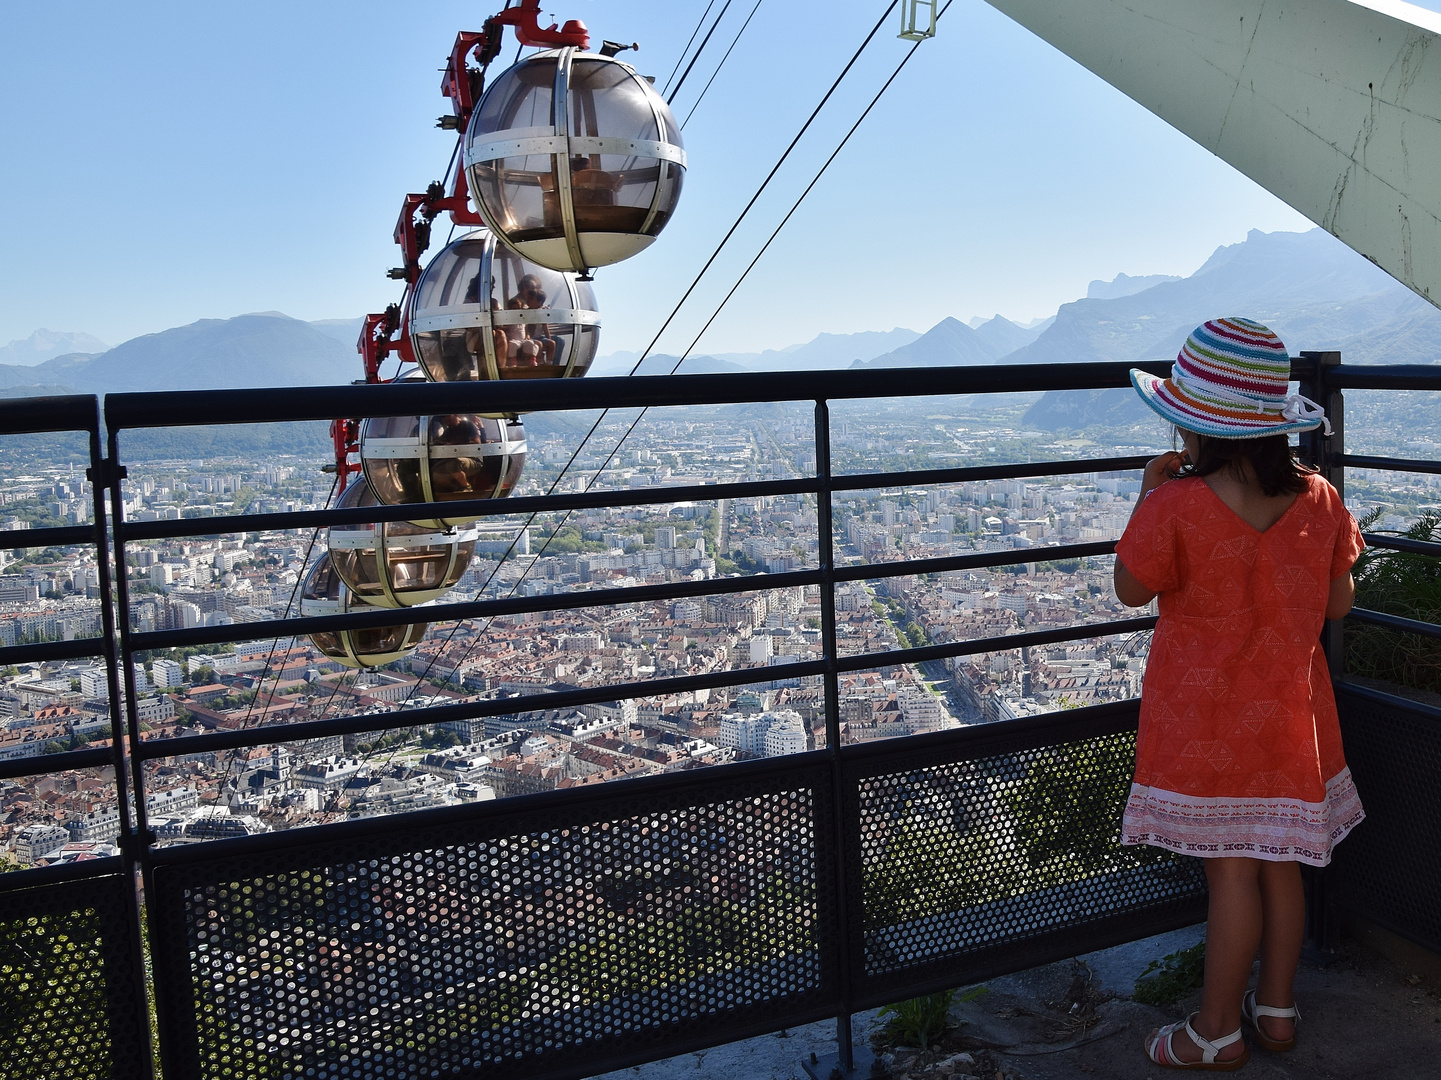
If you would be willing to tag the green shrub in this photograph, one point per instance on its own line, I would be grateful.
(1398, 583)
(1175, 976)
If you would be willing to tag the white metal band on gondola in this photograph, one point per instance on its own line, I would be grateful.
(324, 593)
(474, 301)
(557, 193)
(396, 563)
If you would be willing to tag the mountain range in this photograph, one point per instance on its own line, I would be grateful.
(1310, 289)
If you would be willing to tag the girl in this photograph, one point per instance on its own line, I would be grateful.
(1238, 759)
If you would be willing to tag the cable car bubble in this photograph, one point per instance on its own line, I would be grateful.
(394, 563)
(323, 593)
(442, 458)
(574, 160)
(480, 311)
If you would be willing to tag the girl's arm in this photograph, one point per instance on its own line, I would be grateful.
(1340, 598)
(1158, 470)
(1128, 590)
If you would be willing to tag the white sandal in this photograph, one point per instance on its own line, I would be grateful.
(1251, 1012)
(1159, 1049)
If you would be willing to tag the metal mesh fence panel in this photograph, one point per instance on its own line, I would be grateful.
(1001, 851)
(590, 933)
(69, 985)
(1386, 869)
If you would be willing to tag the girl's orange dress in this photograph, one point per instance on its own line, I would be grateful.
(1239, 750)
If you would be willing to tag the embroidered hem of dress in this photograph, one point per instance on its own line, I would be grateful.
(1277, 830)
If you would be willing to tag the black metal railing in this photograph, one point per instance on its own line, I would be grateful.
(572, 932)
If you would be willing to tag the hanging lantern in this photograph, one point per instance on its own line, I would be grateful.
(480, 311)
(325, 594)
(394, 563)
(411, 459)
(574, 159)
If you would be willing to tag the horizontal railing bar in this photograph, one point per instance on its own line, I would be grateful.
(1001, 643)
(436, 714)
(470, 609)
(963, 474)
(1395, 622)
(68, 759)
(472, 710)
(1402, 543)
(987, 740)
(35, 877)
(947, 563)
(1390, 464)
(521, 504)
(575, 800)
(634, 594)
(62, 412)
(75, 649)
(62, 536)
(1381, 697)
(1383, 377)
(184, 408)
(528, 504)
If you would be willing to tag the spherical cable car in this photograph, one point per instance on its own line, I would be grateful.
(574, 160)
(480, 311)
(394, 563)
(444, 458)
(323, 593)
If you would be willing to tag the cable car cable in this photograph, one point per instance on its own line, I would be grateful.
(796, 206)
(681, 58)
(679, 304)
(764, 184)
(304, 563)
(704, 42)
(776, 232)
(704, 269)
(722, 64)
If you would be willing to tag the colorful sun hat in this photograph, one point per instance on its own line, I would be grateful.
(1230, 381)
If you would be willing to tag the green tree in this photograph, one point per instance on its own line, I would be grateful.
(1398, 583)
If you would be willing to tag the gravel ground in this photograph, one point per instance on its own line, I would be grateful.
(1363, 1016)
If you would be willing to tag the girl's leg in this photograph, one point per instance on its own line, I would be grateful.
(1233, 932)
(1283, 903)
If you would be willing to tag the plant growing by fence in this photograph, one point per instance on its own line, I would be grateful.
(1398, 583)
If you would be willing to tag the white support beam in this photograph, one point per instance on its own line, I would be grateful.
(1332, 105)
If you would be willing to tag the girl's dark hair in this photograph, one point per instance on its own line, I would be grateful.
(1271, 456)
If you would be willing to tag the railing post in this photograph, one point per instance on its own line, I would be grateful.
(1325, 452)
(99, 477)
(826, 554)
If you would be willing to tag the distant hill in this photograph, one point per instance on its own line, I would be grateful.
(46, 344)
(1125, 285)
(1265, 278)
(248, 350)
(345, 331)
(1005, 337)
(823, 352)
(952, 343)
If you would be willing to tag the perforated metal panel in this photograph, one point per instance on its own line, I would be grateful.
(593, 930)
(1386, 869)
(69, 1005)
(1000, 852)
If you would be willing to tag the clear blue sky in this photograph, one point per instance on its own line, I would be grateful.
(168, 162)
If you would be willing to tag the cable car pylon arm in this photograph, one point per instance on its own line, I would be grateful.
(1334, 106)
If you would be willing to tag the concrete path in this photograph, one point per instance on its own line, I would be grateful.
(1363, 1016)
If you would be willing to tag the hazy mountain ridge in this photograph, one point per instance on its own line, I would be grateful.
(45, 344)
(1313, 291)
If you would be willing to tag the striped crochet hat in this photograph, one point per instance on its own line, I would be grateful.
(1230, 381)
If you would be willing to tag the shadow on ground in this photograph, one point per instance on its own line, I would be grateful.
(1363, 1016)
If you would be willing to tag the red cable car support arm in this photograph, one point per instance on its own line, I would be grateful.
(463, 85)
